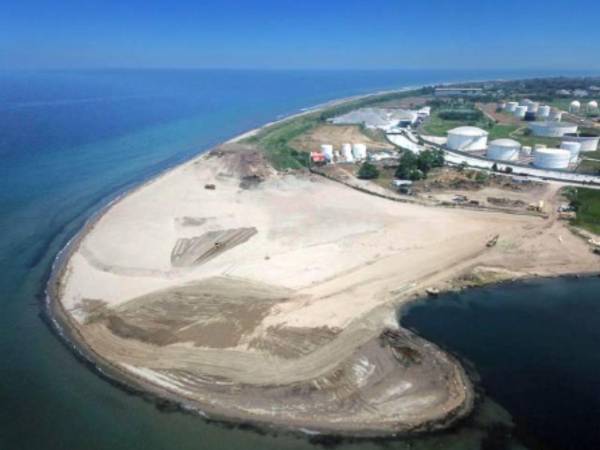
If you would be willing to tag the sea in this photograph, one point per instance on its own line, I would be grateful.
(71, 141)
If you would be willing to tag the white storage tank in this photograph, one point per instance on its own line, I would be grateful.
(511, 106)
(525, 102)
(555, 115)
(573, 147)
(592, 106)
(543, 112)
(359, 151)
(533, 107)
(467, 139)
(520, 111)
(552, 129)
(589, 142)
(575, 106)
(551, 158)
(503, 150)
(327, 151)
(347, 153)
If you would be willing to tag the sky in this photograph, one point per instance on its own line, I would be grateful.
(300, 34)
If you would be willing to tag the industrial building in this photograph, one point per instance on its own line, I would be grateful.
(386, 119)
(551, 158)
(503, 150)
(467, 139)
(552, 129)
(511, 106)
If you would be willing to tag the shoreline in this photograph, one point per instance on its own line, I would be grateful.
(64, 325)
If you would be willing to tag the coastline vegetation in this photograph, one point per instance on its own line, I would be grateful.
(275, 140)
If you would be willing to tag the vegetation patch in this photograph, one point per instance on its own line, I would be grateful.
(368, 171)
(586, 203)
(416, 167)
(275, 140)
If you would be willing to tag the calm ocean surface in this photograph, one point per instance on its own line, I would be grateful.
(71, 141)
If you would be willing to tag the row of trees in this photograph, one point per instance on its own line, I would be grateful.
(416, 167)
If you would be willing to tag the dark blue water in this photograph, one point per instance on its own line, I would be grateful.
(69, 141)
(535, 346)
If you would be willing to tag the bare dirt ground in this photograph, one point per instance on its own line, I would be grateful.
(337, 135)
(501, 117)
(284, 308)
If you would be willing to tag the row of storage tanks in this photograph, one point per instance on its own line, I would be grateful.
(545, 158)
(591, 106)
(349, 152)
(470, 139)
(521, 109)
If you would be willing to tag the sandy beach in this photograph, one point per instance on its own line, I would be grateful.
(271, 297)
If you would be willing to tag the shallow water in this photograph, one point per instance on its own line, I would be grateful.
(69, 142)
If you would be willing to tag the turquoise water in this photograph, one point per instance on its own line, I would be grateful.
(71, 141)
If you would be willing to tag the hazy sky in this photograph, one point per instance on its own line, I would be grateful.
(300, 34)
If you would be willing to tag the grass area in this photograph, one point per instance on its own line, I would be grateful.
(587, 202)
(275, 140)
(562, 103)
(589, 167)
(437, 126)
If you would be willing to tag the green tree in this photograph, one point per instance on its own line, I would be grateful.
(368, 171)
(407, 163)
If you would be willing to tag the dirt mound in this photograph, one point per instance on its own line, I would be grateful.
(214, 313)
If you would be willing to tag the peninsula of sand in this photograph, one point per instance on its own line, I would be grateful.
(271, 297)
